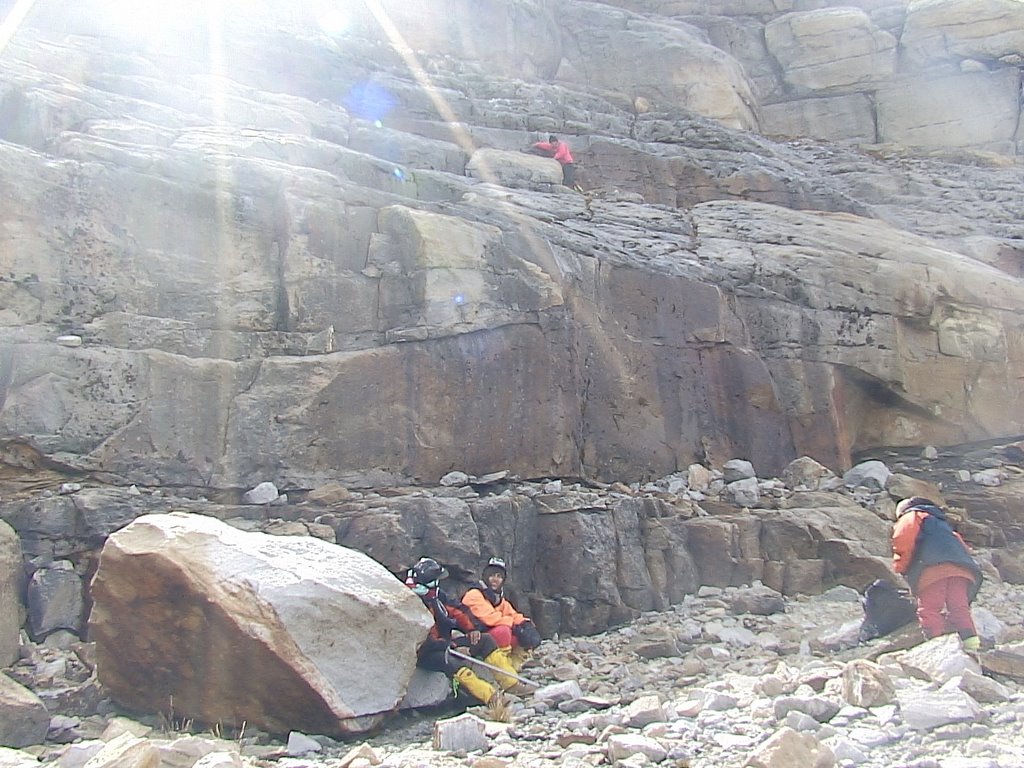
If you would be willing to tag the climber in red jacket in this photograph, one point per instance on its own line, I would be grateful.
(939, 568)
(558, 150)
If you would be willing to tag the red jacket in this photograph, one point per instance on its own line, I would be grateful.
(558, 151)
(449, 614)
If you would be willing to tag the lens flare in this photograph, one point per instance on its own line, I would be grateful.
(369, 101)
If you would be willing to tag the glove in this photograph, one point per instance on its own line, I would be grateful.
(527, 635)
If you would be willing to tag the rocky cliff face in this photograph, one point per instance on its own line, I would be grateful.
(285, 243)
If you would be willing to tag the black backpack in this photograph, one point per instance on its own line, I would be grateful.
(886, 609)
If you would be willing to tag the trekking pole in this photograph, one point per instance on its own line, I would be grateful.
(485, 665)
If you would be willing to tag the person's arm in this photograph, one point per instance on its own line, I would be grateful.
(510, 613)
(463, 617)
(904, 539)
(482, 609)
(434, 641)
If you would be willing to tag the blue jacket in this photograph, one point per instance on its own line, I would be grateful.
(937, 543)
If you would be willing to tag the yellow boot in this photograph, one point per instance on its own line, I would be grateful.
(499, 659)
(476, 687)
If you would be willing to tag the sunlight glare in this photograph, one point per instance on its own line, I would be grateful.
(148, 18)
(10, 25)
(161, 23)
(333, 21)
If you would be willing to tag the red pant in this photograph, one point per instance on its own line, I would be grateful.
(943, 606)
(503, 636)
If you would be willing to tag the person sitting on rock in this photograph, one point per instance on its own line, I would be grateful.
(939, 568)
(449, 615)
(558, 150)
(515, 634)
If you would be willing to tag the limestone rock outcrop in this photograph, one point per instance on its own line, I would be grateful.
(11, 581)
(25, 717)
(317, 259)
(193, 618)
(583, 557)
(980, 30)
(915, 111)
(875, 71)
(832, 50)
(660, 61)
(514, 169)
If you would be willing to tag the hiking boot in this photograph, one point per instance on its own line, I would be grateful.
(478, 688)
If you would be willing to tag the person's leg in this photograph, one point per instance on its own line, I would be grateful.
(500, 659)
(502, 636)
(569, 175)
(485, 647)
(958, 606)
(930, 602)
(435, 661)
(474, 685)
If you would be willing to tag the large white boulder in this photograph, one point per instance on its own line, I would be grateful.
(833, 49)
(198, 620)
(952, 30)
(513, 169)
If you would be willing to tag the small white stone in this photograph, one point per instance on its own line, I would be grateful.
(301, 744)
(264, 493)
(455, 478)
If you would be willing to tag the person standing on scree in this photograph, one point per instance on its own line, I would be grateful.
(558, 150)
(939, 568)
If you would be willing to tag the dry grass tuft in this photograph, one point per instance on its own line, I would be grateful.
(499, 708)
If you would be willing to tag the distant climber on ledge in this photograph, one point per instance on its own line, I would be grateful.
(558, 150)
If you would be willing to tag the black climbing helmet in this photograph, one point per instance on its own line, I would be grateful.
(428, 572)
